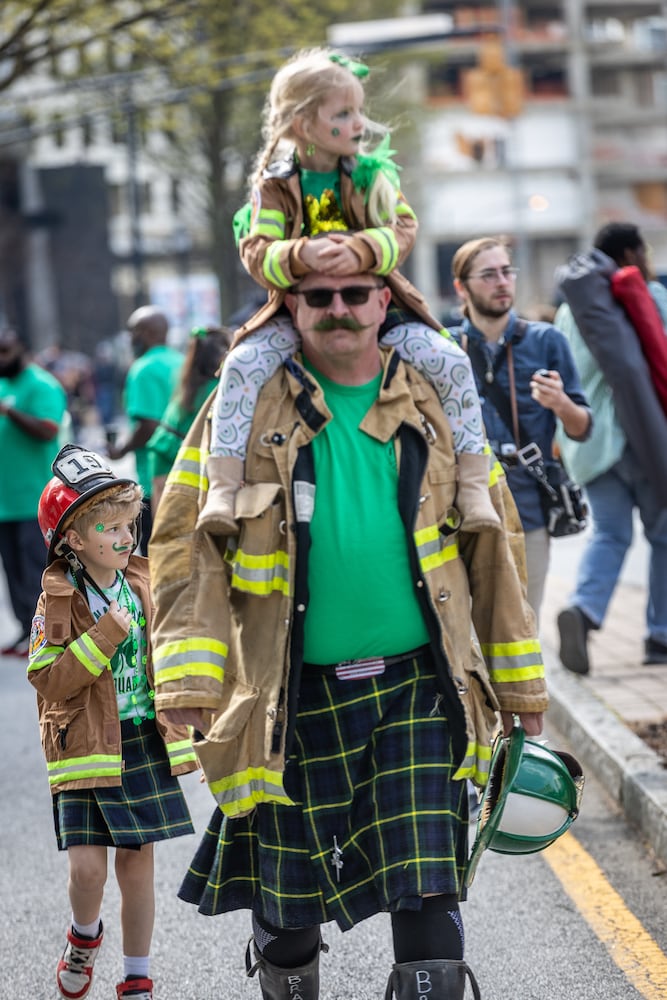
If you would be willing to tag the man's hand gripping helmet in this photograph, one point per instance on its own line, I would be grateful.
(532, 797)
(78, 476)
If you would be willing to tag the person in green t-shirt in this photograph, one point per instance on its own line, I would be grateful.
(199, 377)
(149, 385)
(327, 660)
(32, 407)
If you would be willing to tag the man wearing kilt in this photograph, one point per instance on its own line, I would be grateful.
(112, 765)
(345, 659)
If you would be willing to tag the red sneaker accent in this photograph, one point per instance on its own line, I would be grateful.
(138, 989)
(74, 975)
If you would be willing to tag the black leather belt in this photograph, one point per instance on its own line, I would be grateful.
(368, 667)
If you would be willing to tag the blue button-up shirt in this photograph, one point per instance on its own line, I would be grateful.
(534, 345)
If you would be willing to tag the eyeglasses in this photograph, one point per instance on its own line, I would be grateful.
(493, 274)
(353, 295)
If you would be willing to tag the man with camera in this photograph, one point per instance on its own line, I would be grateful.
(527, 382)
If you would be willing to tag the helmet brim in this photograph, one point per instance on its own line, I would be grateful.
(532, 797)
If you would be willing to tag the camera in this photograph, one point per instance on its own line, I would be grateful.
(543, 372)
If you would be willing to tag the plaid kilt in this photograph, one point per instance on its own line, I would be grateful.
(148, 806)
(371, 777)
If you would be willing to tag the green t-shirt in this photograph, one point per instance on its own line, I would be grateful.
(174, 425)
(322, 201)
(26, 462)
(149, 386)
(362, 594)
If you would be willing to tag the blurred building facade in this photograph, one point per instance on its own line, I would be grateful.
(585, 142)
(95, 212)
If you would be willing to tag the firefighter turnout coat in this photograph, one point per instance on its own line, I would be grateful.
(228, 628)
(70, 667)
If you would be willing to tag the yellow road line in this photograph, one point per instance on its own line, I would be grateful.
(631, 947)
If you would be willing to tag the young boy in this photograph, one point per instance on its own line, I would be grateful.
(112, 765)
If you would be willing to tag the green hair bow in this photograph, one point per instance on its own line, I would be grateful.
(199, 332)
(355, 67)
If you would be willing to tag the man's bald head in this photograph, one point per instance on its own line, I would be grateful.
(148, 326)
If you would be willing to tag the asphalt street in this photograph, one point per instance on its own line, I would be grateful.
(526, 936)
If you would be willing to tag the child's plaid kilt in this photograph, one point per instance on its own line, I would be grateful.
(372, 776)
(148, 806)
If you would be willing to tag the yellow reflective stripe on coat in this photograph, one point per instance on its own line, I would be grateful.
(432, 549)
(261, 575)
(180, 752)
(402, 208)
(44, 656)
(495, 472)
(89, 655)
(241, 792)
(389, 250)
(98, 765)
(269, 223)
(514, 661)
(187, 469)
(476, 763)
(192, 657)
(272, 268)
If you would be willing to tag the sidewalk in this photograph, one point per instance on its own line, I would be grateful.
(596, 712)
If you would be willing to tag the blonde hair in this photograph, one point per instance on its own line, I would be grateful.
(123, 500)
(298, 89)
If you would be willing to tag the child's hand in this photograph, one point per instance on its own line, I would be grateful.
(120, 615)
(330, 255)
(337, 259)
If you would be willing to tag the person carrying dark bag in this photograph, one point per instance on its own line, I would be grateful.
(545, 385)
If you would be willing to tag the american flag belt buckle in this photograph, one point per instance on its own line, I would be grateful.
(351, 670)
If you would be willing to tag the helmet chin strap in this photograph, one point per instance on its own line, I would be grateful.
(82, 577)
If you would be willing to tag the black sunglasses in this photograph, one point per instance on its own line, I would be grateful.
(353, 295)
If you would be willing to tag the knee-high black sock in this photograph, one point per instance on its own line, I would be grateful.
(288, 949)
(435, 931)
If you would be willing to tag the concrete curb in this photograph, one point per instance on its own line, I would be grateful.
(627, 768)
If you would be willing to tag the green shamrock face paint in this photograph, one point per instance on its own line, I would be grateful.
(99, 526)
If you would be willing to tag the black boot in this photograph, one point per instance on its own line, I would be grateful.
(286, 984)
(437, 979)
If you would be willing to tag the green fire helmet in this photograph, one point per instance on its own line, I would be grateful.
(532, 797)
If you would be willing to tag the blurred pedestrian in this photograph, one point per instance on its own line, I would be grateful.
(199, 377)
(529, 364)
(112, 765)
(616, 482)
(149, 386)
(32, 407)
(74, 371)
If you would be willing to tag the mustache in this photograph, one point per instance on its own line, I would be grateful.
(344, 323)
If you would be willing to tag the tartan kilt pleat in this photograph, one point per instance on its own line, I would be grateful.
(378, 821)
(147, 806)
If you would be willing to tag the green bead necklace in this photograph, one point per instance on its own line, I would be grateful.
(135, 648)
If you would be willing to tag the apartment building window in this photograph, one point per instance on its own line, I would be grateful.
(146, 198)
(545, 77)
(58, 131)
(175, 195)
(117, 200)
(444, 82)
(605, 83)
(87, 131)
